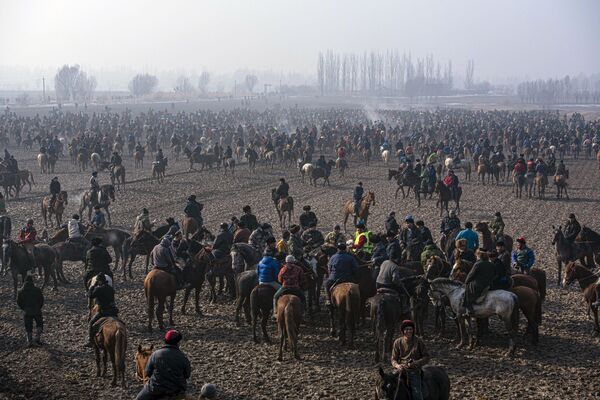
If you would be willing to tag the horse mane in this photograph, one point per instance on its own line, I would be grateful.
(446, 281)
(590, 234)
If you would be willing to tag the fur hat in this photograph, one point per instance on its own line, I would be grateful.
(173, 337)
(294, 228)
(407, 323)
(306, 208)
(460, 243)
(290, 259)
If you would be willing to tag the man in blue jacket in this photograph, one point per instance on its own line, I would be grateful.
(343, 267)
(168, 370)
(470, 235)
(523, 257)
(268, 269)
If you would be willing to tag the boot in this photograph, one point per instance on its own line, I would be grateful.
(38, 336)
(29, 339)
(90, 342)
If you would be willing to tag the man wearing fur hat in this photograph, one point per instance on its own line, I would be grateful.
(168, 370)
(409, 355)
(307, 218)
(479, 278)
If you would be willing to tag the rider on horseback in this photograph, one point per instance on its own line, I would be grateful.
(222, 245)
(362, 242)
(54, 191)
(142, 224)
(76, 231)
(292, 277)
(343, 267)
(283, 189)
(307, 218)
(523, 257)
(94, 188)
(451, 182)
(250, 221)
(97, 261)
(27, 238)
(312, 237)
(98, 220)
(296, 244)
(572, 228)
(497, 226)
(357, 197)
(409, 355)
(163, 258)
(193, 209)
(479, 279)
(104, 295)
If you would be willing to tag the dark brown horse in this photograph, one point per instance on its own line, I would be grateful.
(567, 252)
(386, 311)
(111, 237)
(445, 196)
(159, 285)
(193, 273)
(141, 245)
(220, 268)
(117, 176)
(58, 208)
(530, 304)
(345, 300)
(289, 318)
(488, 241)
(283, 206)
(15, 257)
(363, 212)
(112, 341)
(261, 304)
(588, 283)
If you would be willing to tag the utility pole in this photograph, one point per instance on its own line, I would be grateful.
(44, 90)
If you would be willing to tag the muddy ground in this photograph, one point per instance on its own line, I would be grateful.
(563, 365)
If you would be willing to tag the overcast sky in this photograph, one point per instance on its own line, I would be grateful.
(525, 38)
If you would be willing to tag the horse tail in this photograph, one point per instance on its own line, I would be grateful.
(31, 176)
(514, 316)
(289, 319)
(120, 348)
(254, 304)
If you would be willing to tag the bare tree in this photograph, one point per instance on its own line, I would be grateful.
(142, 84)
(470, 74)
(184, 86)
(321, 72)
(203, 81)
(251, 81)
(71, 83)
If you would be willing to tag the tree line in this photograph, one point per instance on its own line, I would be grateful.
(383, 73)
(580, 89)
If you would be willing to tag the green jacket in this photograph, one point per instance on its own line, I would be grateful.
(431, 250)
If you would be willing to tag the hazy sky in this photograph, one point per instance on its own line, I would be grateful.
(535, 38)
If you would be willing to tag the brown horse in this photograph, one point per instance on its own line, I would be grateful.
(117, 176)
(345, 299)
(289, 318)
(488, 241)
(138, 158)
(160, 285)
(58, 209)
(363, 212)
(139, 245)
(220, 268)
(189, 226)
(540, 185)
(560, 181)
(386, 311)
(105, 196)
(481, 171)
(261, 303)
(158, 170)
(283, 206)
(530, 304)
(141, 357)
(588, 282)
(112, 341)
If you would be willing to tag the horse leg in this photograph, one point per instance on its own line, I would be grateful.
(332, 331)
(114, 368)
(171, 306)
(197, 301)
(263, 323)
(462, 330)
(147, 264)
(108, 216)
(97, 354)
(186, 294)
(160, 309)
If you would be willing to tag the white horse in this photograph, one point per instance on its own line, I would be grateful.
(307, 170)
(385, 156)
(496, 302)
(463, 165)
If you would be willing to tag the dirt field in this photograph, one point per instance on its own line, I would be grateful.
(563, 365)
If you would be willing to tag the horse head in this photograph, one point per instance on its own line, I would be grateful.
(571, 273)
(63, 196)
(141, 357)
(481, 226)
(371, 198)
(385, 385)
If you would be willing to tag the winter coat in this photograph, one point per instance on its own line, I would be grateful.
(267, 270)
(168, 370)
(342, 267)
(30, 299)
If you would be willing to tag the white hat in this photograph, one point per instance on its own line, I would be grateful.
(290, 259)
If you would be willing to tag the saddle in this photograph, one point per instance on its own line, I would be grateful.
(97, 327)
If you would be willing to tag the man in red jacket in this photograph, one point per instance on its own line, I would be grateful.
(27, 238)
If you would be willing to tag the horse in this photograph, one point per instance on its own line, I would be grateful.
(367, 155)
(386, 310)
(567, 251)
(434, 379)
(68, 251)
(24, 175)
(111, 237)
(481, 171)
(529, 184)
(345, 299)
(588, 282)
(59, 207)
(243, 257)
(305, 169)
(530, 304)
(289, 318)
(497, 302)
(138, 158)
(44, 163)
(269, 158)
(117, 176)
(560, 181)
(105, 195)
(324, 173)
(488, 241)
(518, 183)
(111, 339)
(219, 268)
(96, 161)
(445, 196)
(175, 151)
(283, 206)
(15, 258)
(229, 164)
(140, 245)
(385, 157)
(464, 165)
(540, 185)
(245, 282)
(412, 181)
(438, 268)
(251, 156)
(363, 211)
(261, 303)
(158, 170)
(160, 285)
(141, 358)
(342, 165)
(194, 274)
